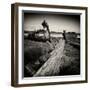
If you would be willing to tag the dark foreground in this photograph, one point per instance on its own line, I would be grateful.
(53, 58)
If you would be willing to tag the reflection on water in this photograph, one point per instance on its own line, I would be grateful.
(52, 35)
(56, 35)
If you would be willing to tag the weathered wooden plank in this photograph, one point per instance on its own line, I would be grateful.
(52, 65)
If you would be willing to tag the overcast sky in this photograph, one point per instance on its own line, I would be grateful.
(58, 23)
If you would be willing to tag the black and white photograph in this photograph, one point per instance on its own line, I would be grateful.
(51, 44)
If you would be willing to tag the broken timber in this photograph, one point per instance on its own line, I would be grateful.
(52, 65)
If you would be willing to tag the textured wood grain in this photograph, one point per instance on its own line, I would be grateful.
(52, 66)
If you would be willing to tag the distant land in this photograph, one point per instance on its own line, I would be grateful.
(52, 32)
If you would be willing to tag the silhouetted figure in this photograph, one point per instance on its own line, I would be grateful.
(46, 28)
(64, 36)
